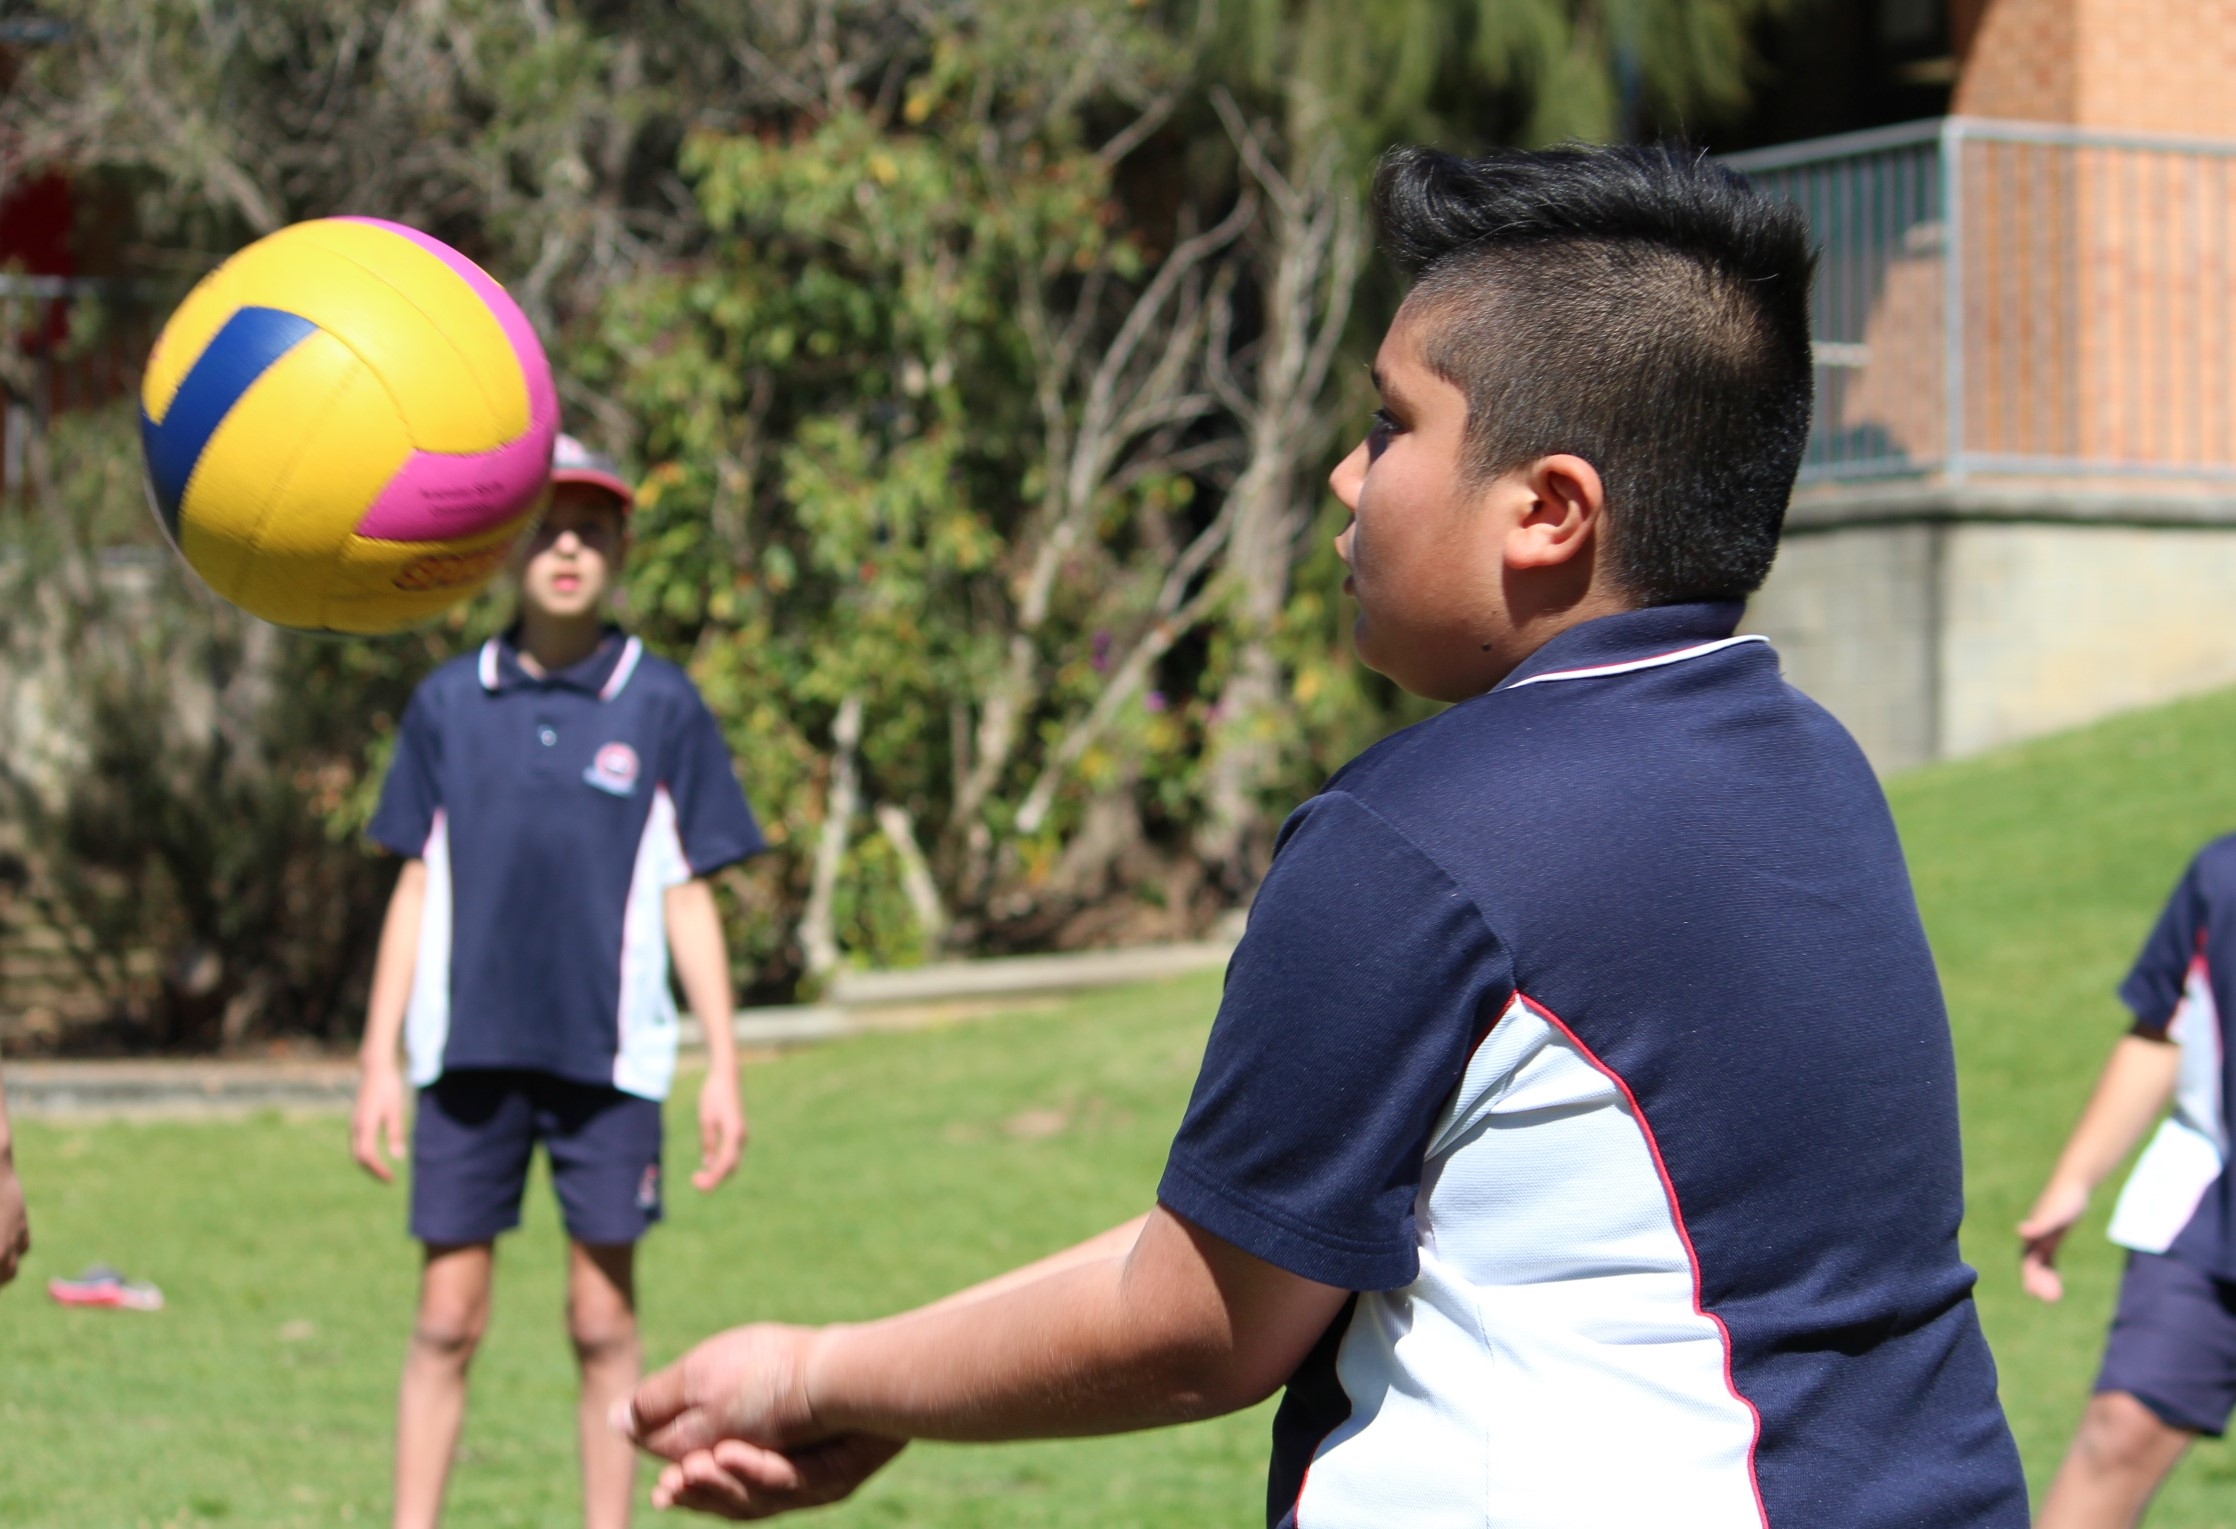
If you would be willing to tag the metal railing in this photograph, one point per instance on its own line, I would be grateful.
(2018, 298)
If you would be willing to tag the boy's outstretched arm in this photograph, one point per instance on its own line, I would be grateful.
(702, 968)
(15, 1226)
(2136, 1083)
(378, 1119)
(1173, 1326)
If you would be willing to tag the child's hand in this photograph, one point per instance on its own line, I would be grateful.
(2042, 1231)
(733, 1417)
(734, 1480)
(721, 1129)
(377, 1121)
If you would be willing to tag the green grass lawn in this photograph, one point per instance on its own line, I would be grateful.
(891, 1169)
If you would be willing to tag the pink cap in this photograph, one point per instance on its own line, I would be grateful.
(573, 462)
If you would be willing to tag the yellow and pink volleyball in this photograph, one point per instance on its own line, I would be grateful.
(347, 425)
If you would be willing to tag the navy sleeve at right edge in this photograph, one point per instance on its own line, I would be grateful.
(1351, 1008)
(410, 796)
(2153, 989)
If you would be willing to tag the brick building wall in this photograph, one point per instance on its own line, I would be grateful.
(2151, 66)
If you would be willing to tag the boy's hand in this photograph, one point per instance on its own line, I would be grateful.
(15, 1226)
(733, 1418)
(378, 1120)
(748, 1384)
(2060, 1205)
(734, 1480)
(722, 1128)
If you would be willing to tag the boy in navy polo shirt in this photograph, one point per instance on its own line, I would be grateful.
(1577, 1139)
(560, 796)
(2169, 1369)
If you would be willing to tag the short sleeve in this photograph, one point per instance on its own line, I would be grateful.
(713, 822)
(411, 795)
(1352, 1005)
(2153, 989)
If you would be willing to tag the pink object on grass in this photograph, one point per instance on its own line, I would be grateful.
(435, 495)
(102, 1286)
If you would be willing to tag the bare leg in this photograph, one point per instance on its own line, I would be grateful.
(453, 1314)
(602, 1321)
(2120, 1454)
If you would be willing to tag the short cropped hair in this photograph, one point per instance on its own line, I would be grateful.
(1642, 308)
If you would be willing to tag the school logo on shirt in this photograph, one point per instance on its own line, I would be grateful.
(614, 770)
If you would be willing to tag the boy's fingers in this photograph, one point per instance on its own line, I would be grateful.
(364, 1146)
(656, 1400)
(661, 1417)
(761, 1470)
(699, 1484)
(716, 1165)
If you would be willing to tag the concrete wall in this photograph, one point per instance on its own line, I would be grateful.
(1938, 633)
(1852, 611)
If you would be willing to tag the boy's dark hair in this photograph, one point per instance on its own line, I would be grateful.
(1642, 308)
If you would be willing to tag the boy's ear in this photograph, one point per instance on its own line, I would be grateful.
(1561, 521)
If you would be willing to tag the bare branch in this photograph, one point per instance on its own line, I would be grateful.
(1248, 144)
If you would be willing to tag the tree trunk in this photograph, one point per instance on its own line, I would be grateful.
(1316, 245)
(818, 923)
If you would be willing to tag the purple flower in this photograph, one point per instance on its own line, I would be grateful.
(1101, 660)
(1154, 701)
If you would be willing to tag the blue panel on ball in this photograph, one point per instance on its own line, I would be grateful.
(238, 354)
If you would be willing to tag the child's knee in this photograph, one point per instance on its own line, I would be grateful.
(600, 1328)
(2121, 1436)
(452, 1330)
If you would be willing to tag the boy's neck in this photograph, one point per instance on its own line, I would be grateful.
(550, 643)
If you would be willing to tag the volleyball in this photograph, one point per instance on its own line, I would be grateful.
(347, 425)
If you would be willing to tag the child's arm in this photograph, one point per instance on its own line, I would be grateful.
(15, 1227)
(1180, 1325)
(2136, 1083)
(378, 1119)
(702, 967)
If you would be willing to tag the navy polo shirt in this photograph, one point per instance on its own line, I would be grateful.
(553, 815)
(2179, 1200)
(1588, 1033)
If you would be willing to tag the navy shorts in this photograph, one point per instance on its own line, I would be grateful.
(476, 1131)
(2173, 1343)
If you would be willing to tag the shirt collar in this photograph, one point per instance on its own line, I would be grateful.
(602, 674)
(1628, 640)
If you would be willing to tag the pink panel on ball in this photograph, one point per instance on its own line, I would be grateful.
(436, 496)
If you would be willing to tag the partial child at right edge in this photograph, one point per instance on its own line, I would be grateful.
(2169, 1370)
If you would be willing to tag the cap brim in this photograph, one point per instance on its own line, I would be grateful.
(596, 479)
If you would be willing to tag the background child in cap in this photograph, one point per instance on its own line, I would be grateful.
(559, 797)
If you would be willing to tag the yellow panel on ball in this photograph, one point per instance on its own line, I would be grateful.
(379, 586)
(238, 490)
(454, 308)
(180, 345)
(425, 370)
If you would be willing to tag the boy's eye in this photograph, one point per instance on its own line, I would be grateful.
(1378, 434)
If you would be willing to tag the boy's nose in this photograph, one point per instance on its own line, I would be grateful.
(1348, 477)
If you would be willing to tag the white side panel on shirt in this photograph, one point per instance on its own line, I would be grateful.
(644, 1057)
(1549, 1366)
(2191, 1146)
(427, 1018)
